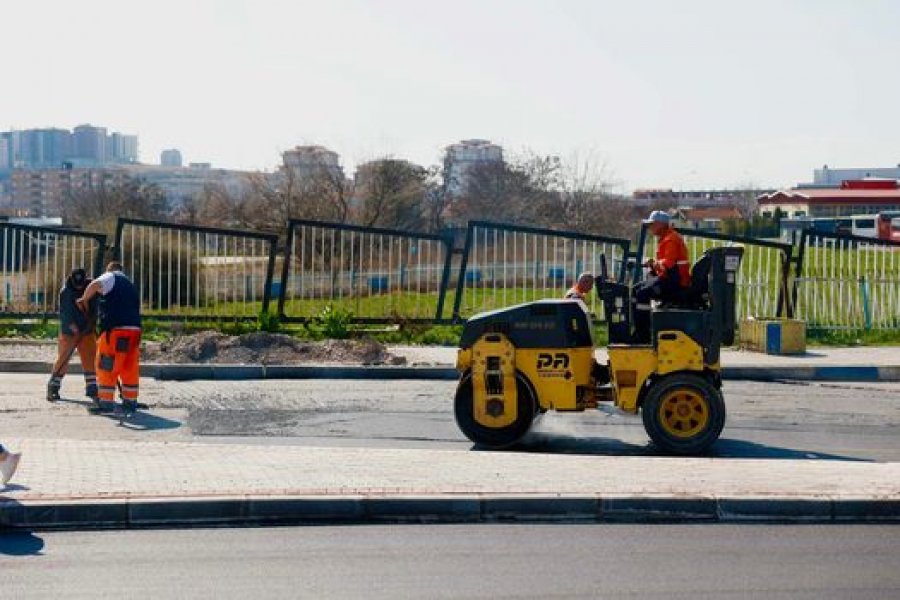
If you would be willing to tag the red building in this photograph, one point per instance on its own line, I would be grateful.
(854, 197)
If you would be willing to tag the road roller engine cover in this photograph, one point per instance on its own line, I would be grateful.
(519, 362)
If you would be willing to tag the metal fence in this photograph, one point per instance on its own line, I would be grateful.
(378, 275)
(763, 279)
(184, 271)
(848, 282)
(35, 263)
(384, 275)
(509, 264)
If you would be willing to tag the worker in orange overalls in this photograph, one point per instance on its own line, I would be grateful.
(76, 332)
(118, 352)
(670, 272)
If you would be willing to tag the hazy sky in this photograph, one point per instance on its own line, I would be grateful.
(679, 94)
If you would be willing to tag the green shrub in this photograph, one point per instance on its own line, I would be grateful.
(335, 322)
(236, 327)
(269, 322)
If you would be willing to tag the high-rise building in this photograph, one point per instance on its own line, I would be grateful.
(5, 154)
(121, 149)
(305, 161)
(51, 148)
(11, 139)
(90, 145)
(44, 148)
(129, 148)
(462, 158)
(170, 158)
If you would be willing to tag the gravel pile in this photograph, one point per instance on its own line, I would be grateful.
(266, 349)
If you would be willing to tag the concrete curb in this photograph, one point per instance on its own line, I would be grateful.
(188, 372)
(448, 508)
(858, 373)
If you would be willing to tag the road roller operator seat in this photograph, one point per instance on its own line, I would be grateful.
(696, 295)
(712, 291)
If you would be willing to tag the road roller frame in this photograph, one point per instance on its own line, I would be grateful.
(519, 362)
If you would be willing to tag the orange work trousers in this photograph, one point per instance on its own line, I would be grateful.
(86, 345)
(118, 362)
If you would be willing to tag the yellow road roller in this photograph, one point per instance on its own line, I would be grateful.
(519, 362)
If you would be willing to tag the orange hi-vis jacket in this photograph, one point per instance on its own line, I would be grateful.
(673, 254)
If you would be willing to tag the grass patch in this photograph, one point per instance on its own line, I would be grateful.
(849, 337)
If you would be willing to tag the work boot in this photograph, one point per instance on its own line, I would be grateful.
(90, 390)
(129, 406)
(53, 390)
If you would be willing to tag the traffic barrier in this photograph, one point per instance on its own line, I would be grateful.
(505, 264)
(847, 282)
(191, 272)
(376, 275)
(35, 262)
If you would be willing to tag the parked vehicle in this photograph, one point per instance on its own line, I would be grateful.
(888, 226)
(882, 226)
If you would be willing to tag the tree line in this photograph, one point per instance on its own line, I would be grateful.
(577, 194)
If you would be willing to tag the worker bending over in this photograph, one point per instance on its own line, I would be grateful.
(118, 353)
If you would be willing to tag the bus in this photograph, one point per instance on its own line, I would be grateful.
(888, 226)
(864, 226)
(882, 226)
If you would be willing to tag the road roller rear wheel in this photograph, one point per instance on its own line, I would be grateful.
(488, 437)
(683, 414)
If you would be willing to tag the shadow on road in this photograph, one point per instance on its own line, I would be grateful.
(727, 448)
(20, 543)
(84, 403)
(724, 448)
(139, 421)
(144, 421)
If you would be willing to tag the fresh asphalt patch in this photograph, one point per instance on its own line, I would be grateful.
(854, 421)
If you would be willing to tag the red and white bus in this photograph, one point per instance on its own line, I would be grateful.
(888, 226)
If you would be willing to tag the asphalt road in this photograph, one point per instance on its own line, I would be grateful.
(765, 420)
(449, 561)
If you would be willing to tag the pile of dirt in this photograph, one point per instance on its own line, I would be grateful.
(266, 349)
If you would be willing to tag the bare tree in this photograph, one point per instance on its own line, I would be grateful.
(746, 200)
(98, 207)
(438, 199)
(519, 191)
(214, 206)
(393, 193)
(270, 200)
(586, 201)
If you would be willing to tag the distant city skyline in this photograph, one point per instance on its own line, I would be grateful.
(85, 145)
(693, 94)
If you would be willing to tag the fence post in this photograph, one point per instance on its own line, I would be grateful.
(461, 282)
(285, 269)
(798, 271)
(867, 308)
(270, 274)
(102, 251)
(784, 298)
(639, 255)
(445, 277)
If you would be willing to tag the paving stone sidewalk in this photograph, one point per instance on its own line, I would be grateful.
(85, 472)
(74, 469)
